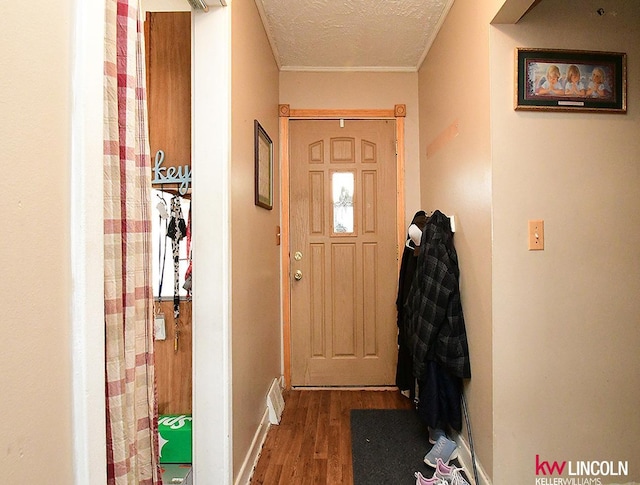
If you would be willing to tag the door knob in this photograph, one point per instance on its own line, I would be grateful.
(298, 275)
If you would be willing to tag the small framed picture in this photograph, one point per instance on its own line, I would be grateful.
(263, 167)
(571, 80)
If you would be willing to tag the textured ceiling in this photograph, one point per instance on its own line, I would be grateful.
(343, 35)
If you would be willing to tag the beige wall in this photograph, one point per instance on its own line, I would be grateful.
(35, 288)
(255, 266)
(563, 348)
(566, 320)
(363, 90)
(553, 335)
(455, 157)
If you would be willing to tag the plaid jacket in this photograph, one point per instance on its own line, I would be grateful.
(433, 310)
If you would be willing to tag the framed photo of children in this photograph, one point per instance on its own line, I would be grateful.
(571, 80)
(263, 148)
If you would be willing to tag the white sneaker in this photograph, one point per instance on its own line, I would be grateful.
(422, 480)
(444, 450)
(450, 474)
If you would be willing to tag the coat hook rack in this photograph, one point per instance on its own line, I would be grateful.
(452, 221)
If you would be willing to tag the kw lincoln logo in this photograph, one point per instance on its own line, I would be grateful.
(578, 472)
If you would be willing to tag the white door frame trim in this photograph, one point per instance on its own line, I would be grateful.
(86, 245)
(212, 440)
(211, 138)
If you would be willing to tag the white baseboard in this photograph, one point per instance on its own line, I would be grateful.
(253, 455)
(464, 457)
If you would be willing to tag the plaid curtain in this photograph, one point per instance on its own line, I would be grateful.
(131, 404)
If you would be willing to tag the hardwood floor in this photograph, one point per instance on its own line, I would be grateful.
(312, 443)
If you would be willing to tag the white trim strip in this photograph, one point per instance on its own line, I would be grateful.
(87, 299)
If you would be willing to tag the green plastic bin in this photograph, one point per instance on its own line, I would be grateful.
(175, 438)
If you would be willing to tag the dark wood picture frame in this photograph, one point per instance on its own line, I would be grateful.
(598, 80)
(263, 147)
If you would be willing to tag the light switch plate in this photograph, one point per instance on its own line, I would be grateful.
(536, 235)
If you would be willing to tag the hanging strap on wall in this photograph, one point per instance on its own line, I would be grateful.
(187, 275)
(176, 231)
(162, 235)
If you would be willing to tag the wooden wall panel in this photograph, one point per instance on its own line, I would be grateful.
(168, 50)
(173, 369)
(168, 63)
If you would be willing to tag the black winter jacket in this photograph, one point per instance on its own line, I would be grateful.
(433, 310)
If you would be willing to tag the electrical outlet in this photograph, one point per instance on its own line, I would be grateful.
(536, 235)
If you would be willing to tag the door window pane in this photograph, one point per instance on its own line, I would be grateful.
(342, 186)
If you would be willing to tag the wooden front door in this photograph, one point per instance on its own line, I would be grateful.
(343, 252)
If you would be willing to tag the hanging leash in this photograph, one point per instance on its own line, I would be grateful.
(188, 281)
(176, 231)
(159, 329)
(162, 254)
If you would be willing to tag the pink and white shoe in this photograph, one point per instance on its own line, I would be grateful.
(421, 480)
(449, 474)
